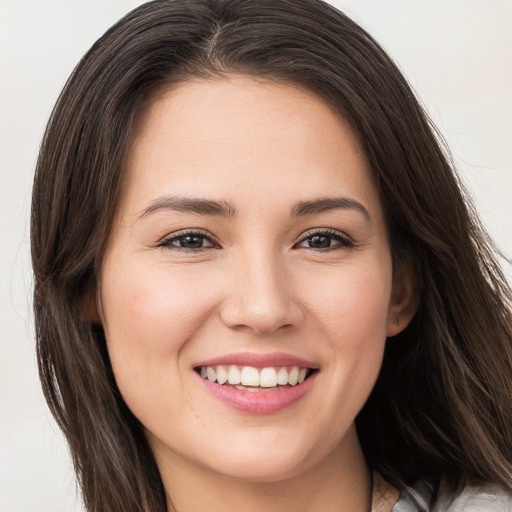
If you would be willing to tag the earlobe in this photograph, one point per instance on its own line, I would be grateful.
(404, 299)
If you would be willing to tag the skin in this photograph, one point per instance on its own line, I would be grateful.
(257, 285)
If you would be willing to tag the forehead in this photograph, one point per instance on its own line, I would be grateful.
(230, 136)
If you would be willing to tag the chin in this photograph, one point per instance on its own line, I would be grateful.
(266, 458)
(267, 468)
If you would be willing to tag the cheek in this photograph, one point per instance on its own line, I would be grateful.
(150, 313)
(352, 313)
(353, 302)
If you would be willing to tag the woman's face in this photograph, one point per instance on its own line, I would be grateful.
(250, 245)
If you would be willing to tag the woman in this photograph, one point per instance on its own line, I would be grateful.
(257, 283)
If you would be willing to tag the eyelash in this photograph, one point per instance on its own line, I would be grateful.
(343, 240)
(167, 241)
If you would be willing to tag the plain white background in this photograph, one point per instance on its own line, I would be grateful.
(456, 53)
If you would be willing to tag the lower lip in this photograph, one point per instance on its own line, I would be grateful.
(259, 402)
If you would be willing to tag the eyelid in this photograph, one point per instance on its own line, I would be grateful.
(346, 241)
(165, 242)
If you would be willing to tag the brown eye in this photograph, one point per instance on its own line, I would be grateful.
(319, 242)
(326, 240)
(191, 241)
(187, 241)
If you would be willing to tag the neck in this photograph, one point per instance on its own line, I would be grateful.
(341, 482)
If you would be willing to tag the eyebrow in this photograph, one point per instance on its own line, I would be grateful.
(190, 205)
(225, 209)
(329, 203)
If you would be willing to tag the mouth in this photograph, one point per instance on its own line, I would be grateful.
(253, 379)
(257, 384)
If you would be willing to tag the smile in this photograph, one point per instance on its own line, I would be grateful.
(250, 378)
(257, 383)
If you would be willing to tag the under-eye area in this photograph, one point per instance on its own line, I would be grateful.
(250, 378)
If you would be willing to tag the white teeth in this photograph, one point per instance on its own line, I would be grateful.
(234, 375)
(252, 377)
(268, 378)
(282, 377)
(293, 376)
(210, 374)
(222, 375)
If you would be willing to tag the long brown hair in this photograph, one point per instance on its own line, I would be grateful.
(442, 404)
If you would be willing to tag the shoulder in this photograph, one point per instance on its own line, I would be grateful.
(415, 498)
(485, 497)
(475, 498)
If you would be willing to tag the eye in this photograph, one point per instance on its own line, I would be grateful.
(188, 241)
(325, 240)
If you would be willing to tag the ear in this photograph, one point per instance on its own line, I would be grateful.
(404, 298)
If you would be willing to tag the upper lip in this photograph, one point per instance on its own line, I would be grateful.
(258, 360)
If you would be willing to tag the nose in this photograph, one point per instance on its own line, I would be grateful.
(259, 296)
